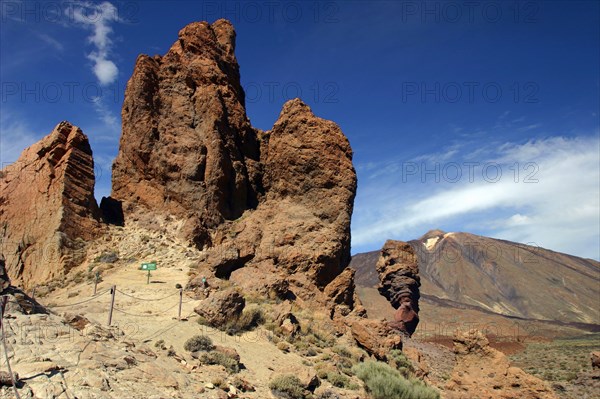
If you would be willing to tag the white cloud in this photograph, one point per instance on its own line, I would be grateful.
(15, 136)
(105, 114)
(52, 42)
(548, 194)
(98, 18)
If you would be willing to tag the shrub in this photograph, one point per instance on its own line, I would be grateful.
(160, 344)
(250, 318)
(287, 386)
(198, 343)
(401, 362)
(283, 346)
(342, 351)
(107, 257)
(178, 286)
(338, 380)
(222, 359)
(328, 395)
(384, 382)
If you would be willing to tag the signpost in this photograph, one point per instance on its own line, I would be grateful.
(148, 266)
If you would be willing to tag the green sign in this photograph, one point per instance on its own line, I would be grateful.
(148, 266)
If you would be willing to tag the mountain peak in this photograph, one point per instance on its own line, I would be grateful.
(432, 234)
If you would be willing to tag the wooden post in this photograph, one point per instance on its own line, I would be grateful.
(12, 376)
(180, 301)
(113, 291)
(148, 281)
(96, 282)
(33, 293)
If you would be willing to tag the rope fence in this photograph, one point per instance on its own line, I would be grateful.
(147, 299)
(114, 290)
(4, 300)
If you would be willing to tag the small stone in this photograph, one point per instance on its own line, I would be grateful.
(209, 385)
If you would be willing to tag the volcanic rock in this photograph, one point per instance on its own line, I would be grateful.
(278, 200)
(595, 356)
(484, 372)
(187, 147)
(221, 307)
(377, 337)
(399, 282)
(47, 207)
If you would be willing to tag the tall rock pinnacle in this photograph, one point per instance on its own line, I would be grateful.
(187, 147)
(188, 152)
(47, 207)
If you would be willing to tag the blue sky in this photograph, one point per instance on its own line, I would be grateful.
(465, 116)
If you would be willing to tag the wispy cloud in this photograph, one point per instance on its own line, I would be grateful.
(52, 42)
(105, 114)
(15, 135)
(546, 193)
(98, 18)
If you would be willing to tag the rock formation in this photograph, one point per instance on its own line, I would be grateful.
(221, 307)
(399, 282)
(377, 337)
(483, 372)
(187, 148)
(278, 201)
(595, 357)
(47, 207)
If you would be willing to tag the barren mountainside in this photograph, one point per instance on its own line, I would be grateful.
(500, 276)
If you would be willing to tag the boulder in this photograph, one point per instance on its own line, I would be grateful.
(341, 289)
(76, 321)
(595, 357)
(4, 279)
(377, 337)
(221, 307)
(6, 379)
(47, 207)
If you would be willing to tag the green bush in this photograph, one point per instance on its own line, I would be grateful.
(342, 351)
(287, 386)
(384, 382)
(338, 380)
(250, 318)
(401, 362)
(328, 395)
(222, 359)
(198, 343)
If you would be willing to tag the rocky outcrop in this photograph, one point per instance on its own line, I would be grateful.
(187, 148)
(484, 372)
(399, 283)
(47, 207)
(278, 201)
(304, 234)
(377, 337)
